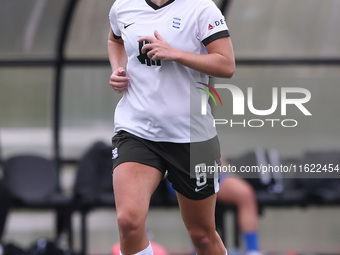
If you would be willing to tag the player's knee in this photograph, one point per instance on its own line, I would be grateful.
(200, 237)
(248, 195)
(128, 223)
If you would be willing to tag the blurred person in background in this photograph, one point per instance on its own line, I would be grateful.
(237, 191)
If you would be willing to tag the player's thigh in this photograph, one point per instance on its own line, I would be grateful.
(133, 185)
(234, 190)
(198, 214)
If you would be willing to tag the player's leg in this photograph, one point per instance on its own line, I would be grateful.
(137, 172)
(199, 219)
(237, 191)
(196, 189)
(133, 185)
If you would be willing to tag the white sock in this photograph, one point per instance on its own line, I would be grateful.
(147, 251)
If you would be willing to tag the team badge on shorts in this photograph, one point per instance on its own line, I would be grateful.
(115, 153)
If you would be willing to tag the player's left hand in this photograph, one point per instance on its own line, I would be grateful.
(158, 48)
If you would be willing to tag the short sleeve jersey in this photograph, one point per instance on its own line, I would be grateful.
(163, 99)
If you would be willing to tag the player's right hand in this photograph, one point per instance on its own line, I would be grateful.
(119, 81)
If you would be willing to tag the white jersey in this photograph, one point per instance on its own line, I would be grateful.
(163, 102)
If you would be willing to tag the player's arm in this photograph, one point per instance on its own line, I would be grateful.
(118, 60)
(219, 61)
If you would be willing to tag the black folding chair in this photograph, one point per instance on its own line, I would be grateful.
(321, 177)
(93, 185)
(33, 182)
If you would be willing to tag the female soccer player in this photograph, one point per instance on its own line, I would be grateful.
(162, 53)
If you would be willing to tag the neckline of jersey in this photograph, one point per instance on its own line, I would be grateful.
(155, 6)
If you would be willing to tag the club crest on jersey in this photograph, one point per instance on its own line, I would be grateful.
(176, 23)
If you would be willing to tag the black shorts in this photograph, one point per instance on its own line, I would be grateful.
(189, 165)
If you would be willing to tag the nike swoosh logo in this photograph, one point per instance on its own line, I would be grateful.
(197, 190)
(126, 26)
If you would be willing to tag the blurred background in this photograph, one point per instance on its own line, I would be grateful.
(55, 102)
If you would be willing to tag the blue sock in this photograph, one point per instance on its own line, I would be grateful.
(251, 239)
